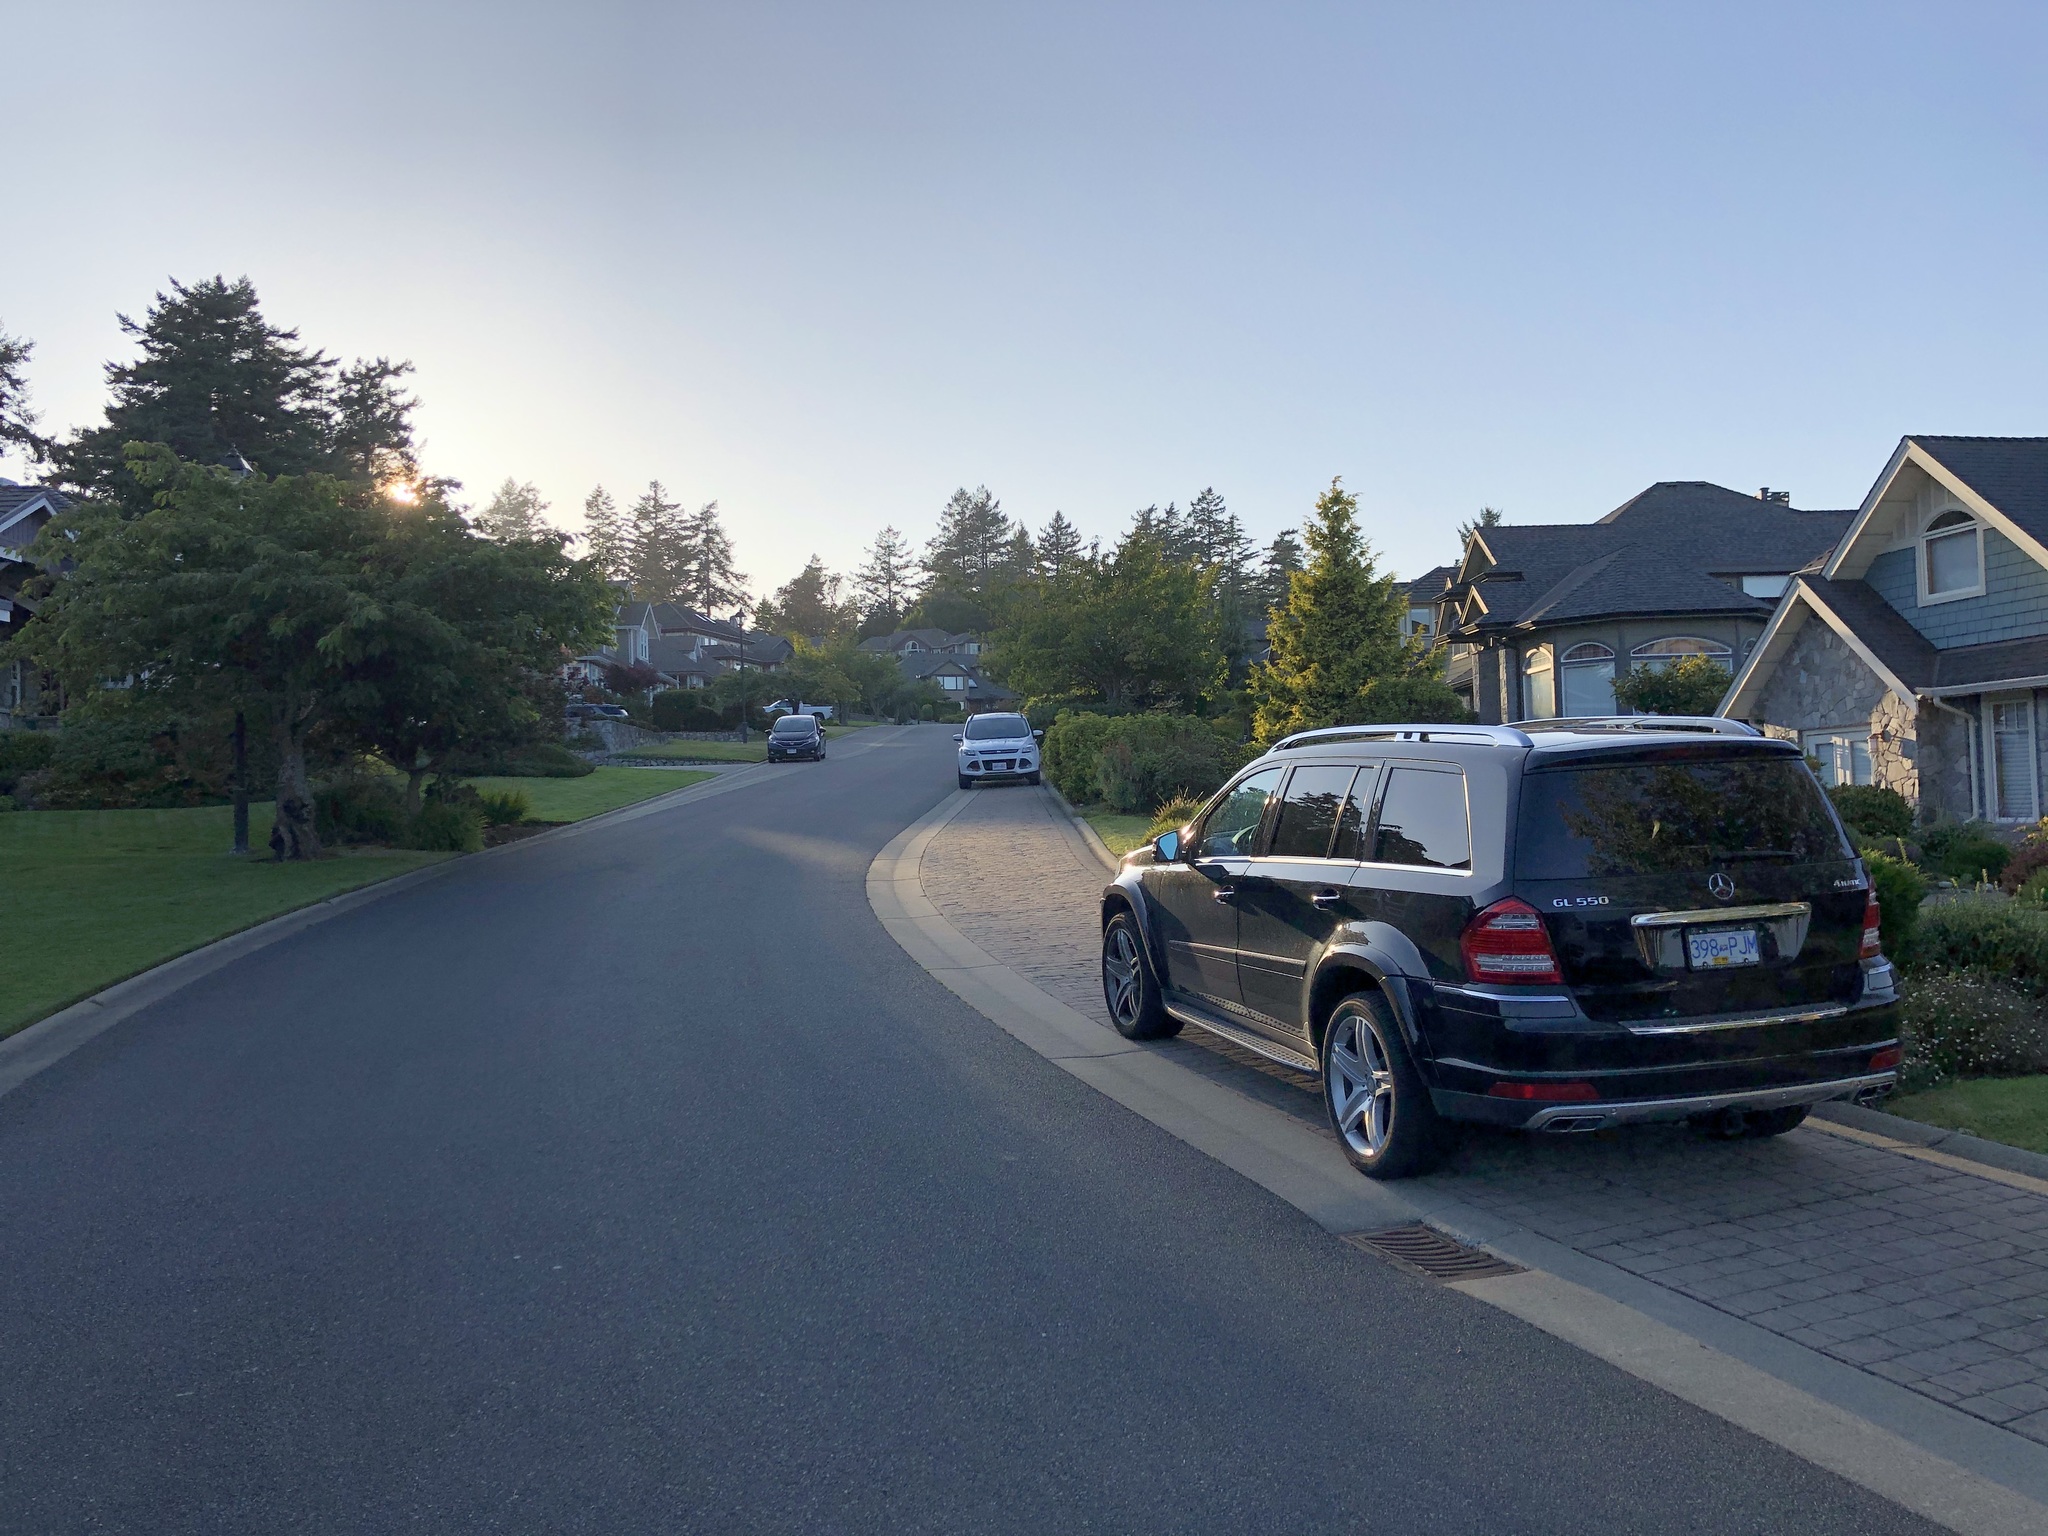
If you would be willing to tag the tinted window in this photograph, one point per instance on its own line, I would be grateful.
(1228, 830)
(1351, 822)
(1422, 820)
(997, 728)
(1308, 812)
(1648, 818)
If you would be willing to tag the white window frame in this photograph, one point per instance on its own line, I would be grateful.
(1923, 566)
(1585, 657)
(1834, 748)
(1646, 654)
(1993, 811)
(1537, 663)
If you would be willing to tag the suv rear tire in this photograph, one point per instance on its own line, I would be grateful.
(1129, 989)
(1377, 1102)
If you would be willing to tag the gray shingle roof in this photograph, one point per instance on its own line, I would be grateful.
(2009, 472)
(1665, 551)
(1912, 658)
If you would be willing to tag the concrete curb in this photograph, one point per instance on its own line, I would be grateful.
(1959, 1145)
(1089, 835)
(1958, 1471)
(49, 1040)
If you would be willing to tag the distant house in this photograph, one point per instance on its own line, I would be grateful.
(1914, 654)
(1425, 592)
(24, 509)
(950, 662)
(684, 648)
(1538, 621)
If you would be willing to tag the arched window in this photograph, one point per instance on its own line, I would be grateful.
(1586, 681)
(1540, 684)
(1951, 558)
(1660, 654)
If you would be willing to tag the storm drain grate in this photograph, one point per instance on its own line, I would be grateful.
(1428, 1252)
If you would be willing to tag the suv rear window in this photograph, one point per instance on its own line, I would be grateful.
(1651, 818)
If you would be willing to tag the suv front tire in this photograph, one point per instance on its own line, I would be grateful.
(1129, 989)
(1378, 1104)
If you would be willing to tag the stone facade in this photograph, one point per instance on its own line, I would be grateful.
(1820, 684)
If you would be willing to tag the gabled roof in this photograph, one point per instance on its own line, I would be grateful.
(2002, 480)
(1675, 549)
(20, 503)
(632, 615)
(675, 619)
(1429, 586)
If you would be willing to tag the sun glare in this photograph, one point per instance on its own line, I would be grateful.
(402, 493)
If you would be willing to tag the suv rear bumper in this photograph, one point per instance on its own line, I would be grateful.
(1600, 1115)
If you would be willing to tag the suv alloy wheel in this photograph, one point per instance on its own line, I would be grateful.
(1129, 989)
(1378, 1103)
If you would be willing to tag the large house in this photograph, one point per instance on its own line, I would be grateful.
(684, 648)
(949, 662)
(1914, 653)
(1539, 620)
(24, 509)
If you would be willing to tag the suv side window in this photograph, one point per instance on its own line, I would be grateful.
(1423, 820)
(1232, 826)
(1309, 810)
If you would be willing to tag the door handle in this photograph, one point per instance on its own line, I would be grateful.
(1225, 892)
(1326, 899)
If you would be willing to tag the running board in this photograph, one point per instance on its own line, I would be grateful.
(1258, 1045)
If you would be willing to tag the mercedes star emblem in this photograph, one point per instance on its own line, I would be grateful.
(1721, 886)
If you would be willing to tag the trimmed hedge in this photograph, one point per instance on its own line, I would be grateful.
(1998, 938)
(1873, 811)
(1073, 747)
(1135, 763)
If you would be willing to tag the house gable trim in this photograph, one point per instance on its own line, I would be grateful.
(1799, 600)
(1910, 452)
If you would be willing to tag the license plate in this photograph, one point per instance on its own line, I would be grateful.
(1730, 946)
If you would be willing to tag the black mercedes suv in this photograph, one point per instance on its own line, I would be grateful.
(1561, 926)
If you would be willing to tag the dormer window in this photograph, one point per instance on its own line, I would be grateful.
(1951, 558)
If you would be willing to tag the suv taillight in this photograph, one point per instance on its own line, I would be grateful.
(1873, 938)
(1508, 942)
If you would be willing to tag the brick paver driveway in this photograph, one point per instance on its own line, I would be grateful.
(1929, 1277)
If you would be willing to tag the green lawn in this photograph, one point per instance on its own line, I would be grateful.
(95, 896)
(2013, 1110)
(753, 751)
(1119, 833)
(605, 790)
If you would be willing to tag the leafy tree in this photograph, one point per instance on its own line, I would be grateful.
(1135, 629)
(707, 579)
(1338, 656)
(808, 605)
(1489, 517)
(1060, 551)
(215, 382)
(883, 586)
(514, 513)
(1692, 685)
(17, 421)
(605, 538)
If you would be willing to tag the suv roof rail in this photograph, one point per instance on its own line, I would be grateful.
(1493, 735)
(1711, 725)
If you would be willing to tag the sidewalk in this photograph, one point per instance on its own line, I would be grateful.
(1929, 1277)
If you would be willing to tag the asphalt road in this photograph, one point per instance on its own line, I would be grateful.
(636, 1182)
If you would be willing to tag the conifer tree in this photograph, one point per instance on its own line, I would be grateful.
(514, 513)
(1337, 653)
(657, 548)
(808, 606)
(1489, 517)
(1283, 558)
(883, 586)
(969, 553)
(604, 535)
(1059, 548)
(17, 420)
(708, 580)
(371, 430)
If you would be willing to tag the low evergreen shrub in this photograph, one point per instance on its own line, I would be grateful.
(1871, 810)
(536, 760)
(23, 753)
(1176, 813)
(1900, 890)
(1969, 1024)
(1073, 747)
(684, 709)
(1964, 851)
(360, 810)
(503, 807)
(1149, 759)
(2035, 891)
(1988, 935)
(446, 826)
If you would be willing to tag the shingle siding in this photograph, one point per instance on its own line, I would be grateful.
(2014, 604)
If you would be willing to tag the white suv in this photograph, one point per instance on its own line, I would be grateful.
(998, 747)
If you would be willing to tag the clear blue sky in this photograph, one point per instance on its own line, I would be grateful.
(826, 262)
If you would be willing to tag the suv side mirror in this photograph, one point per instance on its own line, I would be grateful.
(1166, 847)
(958, 737)
(1038, 735)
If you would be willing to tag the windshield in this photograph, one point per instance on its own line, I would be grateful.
(997, 727)
(795, 725)
(1654, 818)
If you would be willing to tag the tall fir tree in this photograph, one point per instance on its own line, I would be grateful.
(657, 550)
(514, 513)
(17, 419)
(1059, 548)
(884, 585)
(1282, 559)
(710, 582)
(1337, 653)
(809, 607)
(371, 428)
(604, 535)
(972, 549)
(1489, 517)
(215, 382)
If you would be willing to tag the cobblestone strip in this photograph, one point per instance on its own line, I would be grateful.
(1927, 1276)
